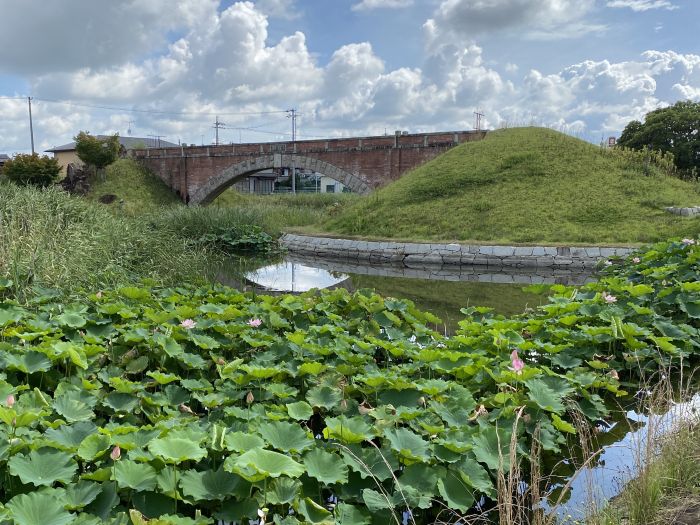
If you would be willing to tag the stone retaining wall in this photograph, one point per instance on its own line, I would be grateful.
(481, 274)
(418, 255)
(684, 212)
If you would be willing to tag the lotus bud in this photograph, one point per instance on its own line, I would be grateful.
(422, 402)
(10, 401)
(116, 453)
(344, 405)
(221, 361)
(614, 374)
(249, 398)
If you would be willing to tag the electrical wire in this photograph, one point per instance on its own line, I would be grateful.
(158, 112)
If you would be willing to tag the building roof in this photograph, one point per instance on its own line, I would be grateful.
(127, 142)
(3, 157)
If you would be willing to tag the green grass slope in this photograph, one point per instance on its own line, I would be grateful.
(526, 185)
(137, 189)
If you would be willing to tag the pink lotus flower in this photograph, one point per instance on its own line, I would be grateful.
(10, 401)
(614, 374)
(518, 364)
(636, 260)
(688, 242)
(608, 298)
(188, 324)
(116, 453)
(254, 322)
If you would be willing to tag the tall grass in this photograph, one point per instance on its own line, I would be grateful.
(52, 239)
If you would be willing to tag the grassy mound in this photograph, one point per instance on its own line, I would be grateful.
(136, 189)
(526, 185)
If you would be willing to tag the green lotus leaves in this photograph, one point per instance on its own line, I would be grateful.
(38, 509)
(93, 446)
(300, 410)
(408, 444)
(326, 467)
(43, 467)
(258, 464)
(209, 485)
(315, 513)
(348, 430)
(175, 450)
(455, 492)
(116, 407)
(288, 437)
(137, 476)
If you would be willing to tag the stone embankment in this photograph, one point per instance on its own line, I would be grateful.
(420, 255)
(693, 211)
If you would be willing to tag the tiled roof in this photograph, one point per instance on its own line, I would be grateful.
(127, 142)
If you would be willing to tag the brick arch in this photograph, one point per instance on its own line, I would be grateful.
(217, 184)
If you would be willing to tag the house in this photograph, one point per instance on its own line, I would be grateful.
(66, 154)
(3, 158)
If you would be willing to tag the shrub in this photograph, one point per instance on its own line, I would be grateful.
(32, 169)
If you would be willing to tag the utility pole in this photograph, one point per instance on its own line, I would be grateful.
(218, 125)
(31, 124)
(479, 116)
(129, 128)
(292, 113)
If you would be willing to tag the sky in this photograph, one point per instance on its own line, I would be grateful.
(350, 67)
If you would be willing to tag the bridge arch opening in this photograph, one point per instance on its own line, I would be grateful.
(216, 185)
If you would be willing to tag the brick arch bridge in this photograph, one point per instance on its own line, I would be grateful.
(199, 174)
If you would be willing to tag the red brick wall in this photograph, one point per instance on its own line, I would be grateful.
(376, 160)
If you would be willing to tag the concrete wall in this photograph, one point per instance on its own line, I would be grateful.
(417, 255)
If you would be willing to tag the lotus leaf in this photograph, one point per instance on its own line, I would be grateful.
(258, 464)
(43, 467)
(38, 509)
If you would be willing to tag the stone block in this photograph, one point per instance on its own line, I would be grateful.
(486, 250)
(503, 251)
(523, 251)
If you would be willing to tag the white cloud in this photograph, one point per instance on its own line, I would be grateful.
(368, 5)
(642, 5)
(39, 36)
(460, 20)
(286, 9)
(223, 62)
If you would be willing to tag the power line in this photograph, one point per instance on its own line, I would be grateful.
(159, 112)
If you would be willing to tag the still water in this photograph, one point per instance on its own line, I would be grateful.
(442, 291)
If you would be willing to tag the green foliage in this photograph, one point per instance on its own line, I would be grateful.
(243, 239)
(139, 191)
(50, 239)
(216, 417)
(672, 130)
(95, 151)
(25, 169)
(527, 185)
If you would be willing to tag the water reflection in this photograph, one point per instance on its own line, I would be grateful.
(289, 276)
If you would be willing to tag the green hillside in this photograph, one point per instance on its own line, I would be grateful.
(137, 191)
(526, 185)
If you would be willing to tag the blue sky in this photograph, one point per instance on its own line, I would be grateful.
(351, 67)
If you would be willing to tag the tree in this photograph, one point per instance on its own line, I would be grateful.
(95, 152)
(675, 129)
(25, 169)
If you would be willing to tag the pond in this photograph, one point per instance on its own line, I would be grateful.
(441, 291)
